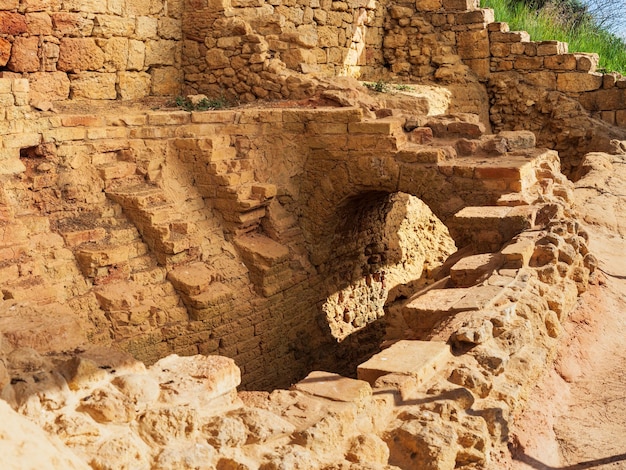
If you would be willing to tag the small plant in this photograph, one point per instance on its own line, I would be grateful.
(205, 104)
(403, 87)
(380, 86)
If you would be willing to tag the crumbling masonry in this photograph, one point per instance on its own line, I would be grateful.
(152, 260)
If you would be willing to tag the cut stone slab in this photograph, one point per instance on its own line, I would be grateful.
(195, 379)
(334, 387)
(437, 300)
(419, 359)
(518, 253)
(260, 249)
(192, 279)
(471, 270)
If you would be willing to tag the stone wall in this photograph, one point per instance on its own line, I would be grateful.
(93, 50)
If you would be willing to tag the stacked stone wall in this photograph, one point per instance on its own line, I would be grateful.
(93, 50)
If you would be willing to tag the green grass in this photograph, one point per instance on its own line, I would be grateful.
(553, 23)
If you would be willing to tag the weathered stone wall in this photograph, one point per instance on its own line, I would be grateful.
(93, 50)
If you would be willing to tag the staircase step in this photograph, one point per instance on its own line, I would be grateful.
(138, 197)
(149, 276)
(116, 170)
(487, 228)
(471, 270)
(192, 279)
(120, 296)
(418, 359)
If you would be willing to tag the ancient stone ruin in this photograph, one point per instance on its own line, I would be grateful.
(319, 276)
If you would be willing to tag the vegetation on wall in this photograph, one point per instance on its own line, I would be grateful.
(565, 20)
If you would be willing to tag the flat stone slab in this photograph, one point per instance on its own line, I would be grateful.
(436, 300)
(334, 387)
(473, 269)
(419, 359)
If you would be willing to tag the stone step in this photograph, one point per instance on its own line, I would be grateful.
(474, 269)
(423, 313)
(417, 359)
(149, 276)
(116, 170)
(122, 296)
(192, 279)
(487, 228)
(140, 196)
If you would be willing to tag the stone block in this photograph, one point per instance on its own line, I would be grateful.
(162, 52)
(587, 62)
(79, 54)
(107, 26)
(195, 379)
(471, 270)
(560, 62)
(334, 387)
(115, 53)
(166, 81)
(146, 28)
(551, 48)
(578, 82)
(93, 85)
(419, 359)
(518, 253)
(510, 36)
(473, 44)
(24, 55)
(5, 51)
(192, 279)
(12, 24)
(133, 85)
(71, 24)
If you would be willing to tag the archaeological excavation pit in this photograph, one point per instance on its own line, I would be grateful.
(219, 250)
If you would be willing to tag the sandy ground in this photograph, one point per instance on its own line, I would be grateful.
(576, 415)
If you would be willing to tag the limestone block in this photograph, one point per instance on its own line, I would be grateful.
(123, 449)
(115, 54)
(368, 449)
(93, 85)
(71, 24)
(24, 55)
(474, 269)
(170, 28)
(138, 7)
(146, 28)
(108, 405)
(195, 378)
(5, 51)
(516, 140)
(419, 359)
(40, 5)
(106, 26)
(473, 44)
(192, 279)
(510, 36)
(528, 63)
(216, 59)
(428, 5)
(25, 445)
(334, 387)
(133, 85)
(166, 81)
(9, 4)
(39, 23)
(551, 48)
(136, 55)
(587, 62)
(578, 82)
(82, 373)
(79, 54)
(88, 6)
(12, 24)
(162, 52)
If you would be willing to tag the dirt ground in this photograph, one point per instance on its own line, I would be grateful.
(576, 415)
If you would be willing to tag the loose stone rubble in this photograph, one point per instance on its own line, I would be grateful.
(355, 280)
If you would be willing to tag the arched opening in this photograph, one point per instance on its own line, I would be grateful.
(384, 243)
